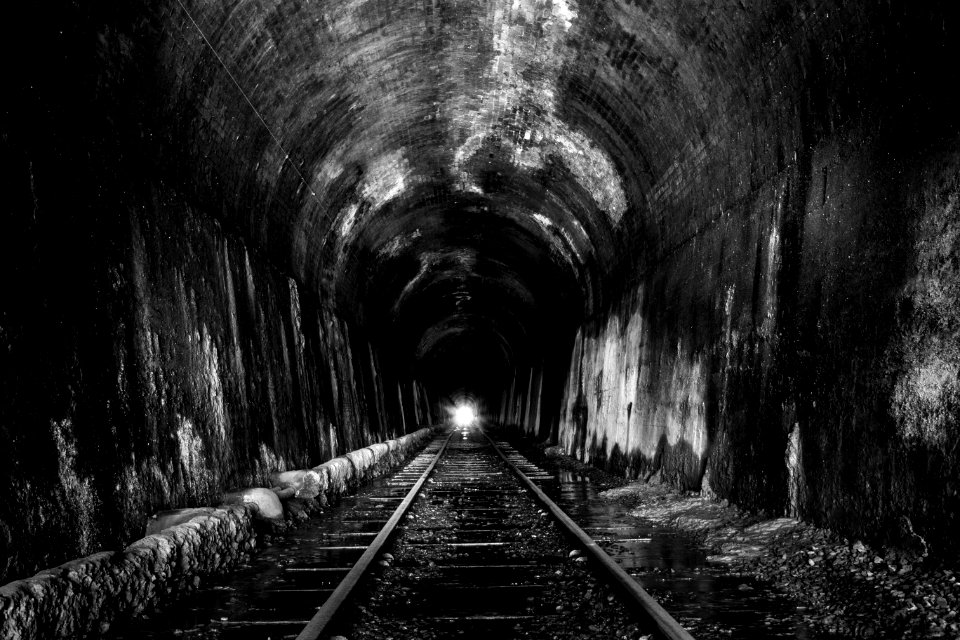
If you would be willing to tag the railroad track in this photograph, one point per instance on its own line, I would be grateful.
(483, 552)
(460, 543)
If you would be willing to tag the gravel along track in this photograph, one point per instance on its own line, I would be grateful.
(478, 557)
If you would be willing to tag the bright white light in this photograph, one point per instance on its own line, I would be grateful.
(463, 416)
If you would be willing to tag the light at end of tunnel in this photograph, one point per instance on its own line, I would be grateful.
(464, 416)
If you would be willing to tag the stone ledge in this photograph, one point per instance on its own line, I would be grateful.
(85, 596)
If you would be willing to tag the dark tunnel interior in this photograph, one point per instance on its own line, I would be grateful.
(711, 242)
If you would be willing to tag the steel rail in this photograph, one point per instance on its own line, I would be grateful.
(666, 624)
(342, 593)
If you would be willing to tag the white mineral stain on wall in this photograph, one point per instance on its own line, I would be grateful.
(341, 18)
(627, 412)
(508, 98)
(594, 170)
(332, 167)
(236, 355)
(768, 323)
(386, 177)
(529, 40)
(193, 462)
(348, 217)
(77, 490)
(636, 392)
(568, 418)
(920, 395)
(251, 287)
(398, 244)
(731, 335)
(926, 394)
(334, 443)
(269, 461)
(295, 314)
(795, 480)
(428, 260)
(148, 342)
(214, 385)
(330, 170)
(296, 318)
(559, 238)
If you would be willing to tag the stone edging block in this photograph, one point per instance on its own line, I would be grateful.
(85, 596)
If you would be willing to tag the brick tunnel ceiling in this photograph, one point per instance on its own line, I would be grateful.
(460, 174)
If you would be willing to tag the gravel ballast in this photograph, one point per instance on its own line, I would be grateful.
(844, 588)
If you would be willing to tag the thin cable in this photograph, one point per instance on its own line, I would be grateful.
(276, 139)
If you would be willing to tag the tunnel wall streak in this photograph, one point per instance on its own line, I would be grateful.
(191, 366)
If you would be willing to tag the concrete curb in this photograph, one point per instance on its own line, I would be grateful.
(85, 596)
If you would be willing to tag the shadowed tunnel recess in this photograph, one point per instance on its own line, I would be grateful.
(462, 292)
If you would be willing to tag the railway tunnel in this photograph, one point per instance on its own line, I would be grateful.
(708, 244)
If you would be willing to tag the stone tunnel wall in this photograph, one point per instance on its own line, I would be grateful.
(843, 411)
(193, 367)
(149, 357)
(791, 343)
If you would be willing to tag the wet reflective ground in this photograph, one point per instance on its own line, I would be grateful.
(478, 558)
(705, 597)
(274, 596)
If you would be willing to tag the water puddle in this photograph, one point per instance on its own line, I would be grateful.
(705, 596)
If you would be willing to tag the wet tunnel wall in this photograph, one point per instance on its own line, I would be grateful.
(150, 358)
(788, 338)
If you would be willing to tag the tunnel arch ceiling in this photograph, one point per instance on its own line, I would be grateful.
(461, 168)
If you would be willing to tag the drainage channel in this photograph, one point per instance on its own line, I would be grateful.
(284, 585)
